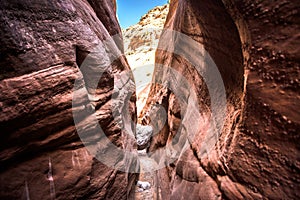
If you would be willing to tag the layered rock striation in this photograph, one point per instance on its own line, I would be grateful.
(255, 155)
(43, 45)
(246, 129)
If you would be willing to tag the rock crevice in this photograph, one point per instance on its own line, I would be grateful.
(50, 46)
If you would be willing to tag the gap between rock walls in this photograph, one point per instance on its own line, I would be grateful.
(214, 112)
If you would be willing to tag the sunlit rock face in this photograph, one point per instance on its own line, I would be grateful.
(140, 42)
(43, 44)
(256, 154)
(141, 39)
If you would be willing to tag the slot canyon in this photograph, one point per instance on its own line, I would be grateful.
(222, 113)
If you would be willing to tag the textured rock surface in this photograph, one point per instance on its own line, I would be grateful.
(144, 35)
(255, 45)
(42, 45)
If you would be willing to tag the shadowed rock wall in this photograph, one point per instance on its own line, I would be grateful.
(255, 45)
(43, 43)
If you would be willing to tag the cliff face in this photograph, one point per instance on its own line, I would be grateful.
(255, 47)
(43, 44)
(143, 37)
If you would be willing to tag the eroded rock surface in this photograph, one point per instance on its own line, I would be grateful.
(43, 44)
(255, 46)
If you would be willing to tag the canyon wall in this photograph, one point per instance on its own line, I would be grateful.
(255, 47)
(43, 44)
(253, 44)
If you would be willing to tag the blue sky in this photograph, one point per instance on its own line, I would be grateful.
(130, 11)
